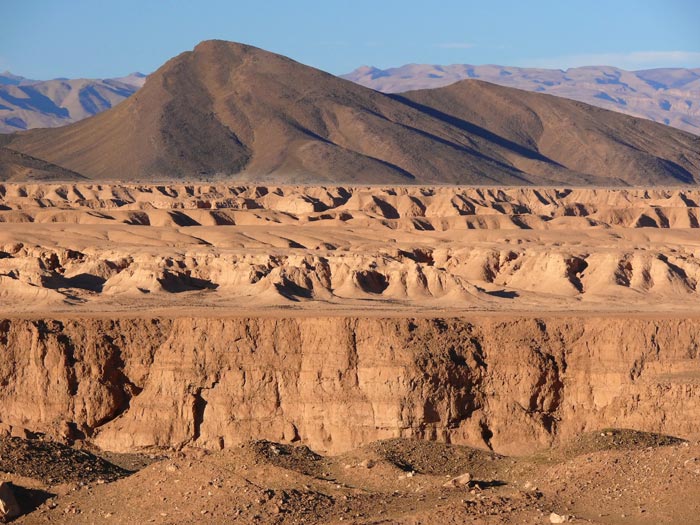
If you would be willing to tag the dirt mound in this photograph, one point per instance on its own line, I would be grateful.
(231, 110)
(615, 439)
(298, 458)
(246, 485)
(54, 463)
(426, 457)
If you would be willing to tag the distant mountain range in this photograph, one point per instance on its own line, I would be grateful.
(670, 96)
(236, 112)
(27, 104)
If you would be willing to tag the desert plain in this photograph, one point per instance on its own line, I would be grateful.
(221, 353)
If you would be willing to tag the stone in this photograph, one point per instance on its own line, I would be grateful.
(558, 518)
(367, 463)
(459, 481)
(20, 432)
(290, 434)
(9, 508)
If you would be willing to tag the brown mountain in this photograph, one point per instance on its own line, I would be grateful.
(667, 95)
(581, 137)
(227, 109)
(16, 166)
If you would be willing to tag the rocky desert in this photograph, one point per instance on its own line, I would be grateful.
(318, 354)
(244, 290)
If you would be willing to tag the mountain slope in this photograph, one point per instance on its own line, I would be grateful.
(227, 109)
(27, 104)
(21, 167)
(581, 137)
(670, 96)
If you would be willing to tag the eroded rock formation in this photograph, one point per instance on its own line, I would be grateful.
(334, 383)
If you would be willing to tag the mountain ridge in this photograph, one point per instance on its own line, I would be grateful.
(229, 110)
(669, 96)
(27, 103)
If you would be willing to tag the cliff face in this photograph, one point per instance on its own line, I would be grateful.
(511, 383)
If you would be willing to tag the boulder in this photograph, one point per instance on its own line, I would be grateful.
(9, 508)
(459, 481)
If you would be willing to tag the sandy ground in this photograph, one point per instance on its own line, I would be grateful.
(607, 477)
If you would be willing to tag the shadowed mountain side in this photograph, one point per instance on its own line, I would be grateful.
(27, 104)
(18, 166)
(668, 95)
(228, 109)
(569, 133)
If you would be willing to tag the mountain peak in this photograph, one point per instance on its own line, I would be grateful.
(229, 110)
(135, 79)
(9, 79)
(215, 45)
(364, 70)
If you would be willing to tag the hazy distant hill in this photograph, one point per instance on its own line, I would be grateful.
(227, 110)
(670, 96)
(27, 104)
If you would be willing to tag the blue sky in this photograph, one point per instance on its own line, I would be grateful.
(81, 38)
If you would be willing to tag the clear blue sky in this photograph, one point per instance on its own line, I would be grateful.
(95, 38)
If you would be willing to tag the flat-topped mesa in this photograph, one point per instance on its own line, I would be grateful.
(236, 112)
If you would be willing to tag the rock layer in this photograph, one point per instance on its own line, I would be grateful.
(334, 383)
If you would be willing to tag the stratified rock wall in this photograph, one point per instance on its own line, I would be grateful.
(508, 382)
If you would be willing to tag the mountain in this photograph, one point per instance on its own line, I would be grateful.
(583, 138)
(8, 79)
(15, 166)
(135, 79)
(27, 104)
(231, 110)
(670, 96)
